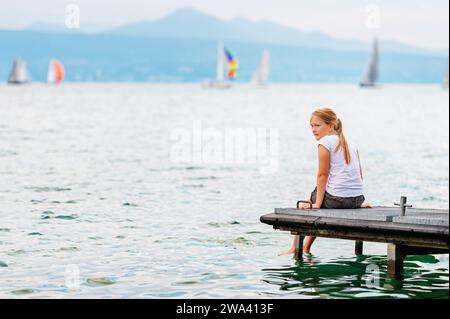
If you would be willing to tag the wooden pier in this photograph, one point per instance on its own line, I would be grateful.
(406, 230)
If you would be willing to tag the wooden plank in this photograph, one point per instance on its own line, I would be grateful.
(354, 214)
(359, 247)
(423, 220)
(395, 260)
(421, 211)
(342, 223)
(375, 210)
(375, 231)
(414, 251)
(388, 214)
(370, 237)
(299, 239)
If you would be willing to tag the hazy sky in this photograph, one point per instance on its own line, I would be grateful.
(420, 22)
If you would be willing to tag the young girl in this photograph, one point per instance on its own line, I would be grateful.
(339, 179)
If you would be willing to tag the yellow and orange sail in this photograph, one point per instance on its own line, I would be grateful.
(56, 72)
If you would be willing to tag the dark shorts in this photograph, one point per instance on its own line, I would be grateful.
(335, 202)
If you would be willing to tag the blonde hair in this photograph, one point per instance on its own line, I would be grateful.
(329, 117)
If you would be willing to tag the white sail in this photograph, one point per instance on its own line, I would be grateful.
(220, 63)
(19, 73)
(261, 76)
(219, 82)
(371, 75)
(445, 82)
(51, 75)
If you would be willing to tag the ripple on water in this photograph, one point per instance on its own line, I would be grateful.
(430, 199)
(239, 241)
(17, 252)
(2, 264)
(4, 153)
(220, 225)
(191, 186)
(193, 168)
(95, 237)
(48, 189)
(47, 214)
(73, 248)
(201, 178)
(66, 217)
(243, 241)
(98, 282)
(186, 283)
(34, 234)
(50, 215)
(21, 292)
(37, 201)
(130, 204)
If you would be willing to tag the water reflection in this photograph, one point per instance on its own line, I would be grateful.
(360, 277)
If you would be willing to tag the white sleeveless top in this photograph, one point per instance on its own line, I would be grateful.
(344, 180)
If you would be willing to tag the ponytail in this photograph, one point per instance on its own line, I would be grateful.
(342, 142)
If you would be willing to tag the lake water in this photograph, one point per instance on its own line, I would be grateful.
(94, 204)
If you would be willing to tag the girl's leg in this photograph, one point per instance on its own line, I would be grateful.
(293, 248)
(307, 243)
(309, 240)
(362, 202)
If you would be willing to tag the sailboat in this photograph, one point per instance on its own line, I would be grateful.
(56, 72)
(261, 75)
(445, 82)
(371, 75)
(19, 73)
(226, 63)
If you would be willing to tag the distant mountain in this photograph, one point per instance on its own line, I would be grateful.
(123, 58)
(45, 27)
(189, 23)
(61, 28)
(192, 24)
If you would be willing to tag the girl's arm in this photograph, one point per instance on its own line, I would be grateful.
(364, 205)
(360, 165)
(322, 175)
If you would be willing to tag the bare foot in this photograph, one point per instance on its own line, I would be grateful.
(289, 252)
(366, 205)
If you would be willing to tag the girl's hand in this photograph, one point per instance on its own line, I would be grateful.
(308, 206)
(305, 206)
